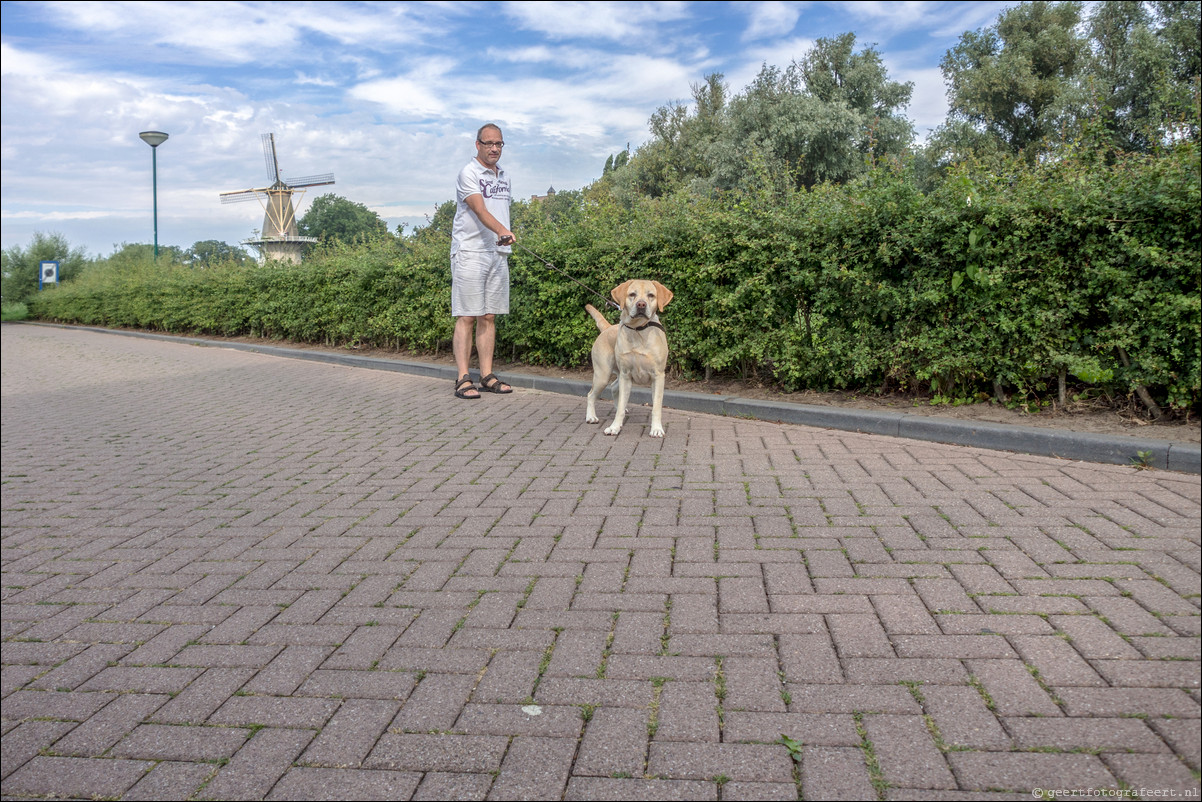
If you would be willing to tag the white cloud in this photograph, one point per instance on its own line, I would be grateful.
(241, 32)
(615, 21)
(770, 20)
(939, 19)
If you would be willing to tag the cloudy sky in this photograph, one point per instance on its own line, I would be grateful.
(385, 95)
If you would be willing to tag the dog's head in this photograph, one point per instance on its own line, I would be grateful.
(641, 298)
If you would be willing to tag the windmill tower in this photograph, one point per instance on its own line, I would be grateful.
(279, 237)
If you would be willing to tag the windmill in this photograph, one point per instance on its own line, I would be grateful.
(279, 238)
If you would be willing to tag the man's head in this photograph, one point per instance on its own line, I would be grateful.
(489, 144)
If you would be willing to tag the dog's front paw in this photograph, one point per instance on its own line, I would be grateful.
(657, 431)
(613, 429)
(591, 419)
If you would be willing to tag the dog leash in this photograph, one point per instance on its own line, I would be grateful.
(608, 301)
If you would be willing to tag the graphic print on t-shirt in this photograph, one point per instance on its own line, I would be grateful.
(494, 188)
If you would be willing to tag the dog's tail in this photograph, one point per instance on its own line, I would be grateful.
(602, 323)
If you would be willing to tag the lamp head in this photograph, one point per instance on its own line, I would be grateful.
(153, 138)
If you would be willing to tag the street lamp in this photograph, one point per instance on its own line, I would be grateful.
(154, 139)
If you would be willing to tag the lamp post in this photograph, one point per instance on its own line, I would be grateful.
(154, 139)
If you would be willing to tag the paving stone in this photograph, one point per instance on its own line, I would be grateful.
(582, 789)
(274, 711)
(885, 671)
(1013, 689)
(615, 742)
(1148, 674)
(511, 719)
(904, 615)
(302, 783)
(758, 791)
(629, 666)
(437, 785)
(445, 660)
(1181, 736)
(1017, 771)
(816, 729)
(577, 654)
(1159, 772)
(231, 656)
(953, 646)
(54, 705)
(851, 699)
(752, 684)
(1002, 624)
(963, 719)
(1109, 735)
(142, 679)
(534, 768)
(945, 596)
(1127, 616)
(907, 753)
(164, 742)
(1093, 638)
(687, 711)
(458, 753)
(697, 761)
(570, 691)
(170, 780)
(75, 777)
(835, 773)
(809, 658)
(510, 678)
(1110, 702)
(395, 685)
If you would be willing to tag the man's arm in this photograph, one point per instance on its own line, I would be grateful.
(476, 204)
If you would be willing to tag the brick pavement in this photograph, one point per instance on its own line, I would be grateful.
(237, 576)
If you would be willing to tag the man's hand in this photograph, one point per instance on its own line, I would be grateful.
(508, 239)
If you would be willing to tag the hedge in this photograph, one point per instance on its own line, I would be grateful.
(1084, 268)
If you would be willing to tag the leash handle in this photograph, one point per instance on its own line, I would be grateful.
(608, 301)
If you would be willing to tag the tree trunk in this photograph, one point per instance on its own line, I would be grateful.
(1142, 391)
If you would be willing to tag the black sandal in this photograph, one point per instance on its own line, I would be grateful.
(462, 392)
(495, 386)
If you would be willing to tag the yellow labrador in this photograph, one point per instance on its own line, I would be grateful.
(637, 347)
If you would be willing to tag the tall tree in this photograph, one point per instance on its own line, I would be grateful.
(1007, 84)
(205, 253)
(332, 217)
(834, 73)
(820, 119)
(1180, 29)
(1127, 77)
(676, 154)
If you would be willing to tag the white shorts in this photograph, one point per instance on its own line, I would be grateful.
(479, 283)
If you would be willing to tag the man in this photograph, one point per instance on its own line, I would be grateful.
(480, 248)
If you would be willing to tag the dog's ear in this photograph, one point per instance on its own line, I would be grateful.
(618, 293)
(662, 295)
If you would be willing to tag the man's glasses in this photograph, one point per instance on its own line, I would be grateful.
(491, 144)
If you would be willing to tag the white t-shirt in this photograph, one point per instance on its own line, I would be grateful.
(467, 232)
